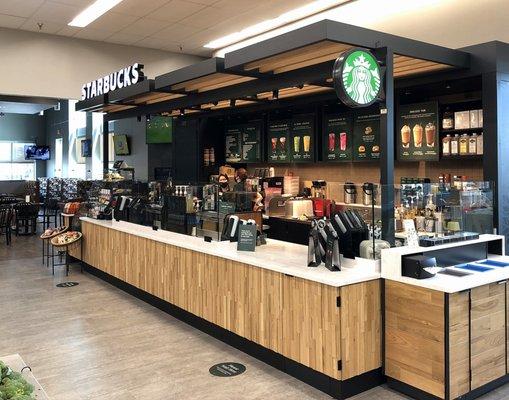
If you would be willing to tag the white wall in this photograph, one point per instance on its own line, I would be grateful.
(37, 64)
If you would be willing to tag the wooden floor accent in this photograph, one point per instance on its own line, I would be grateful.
(414, 337)
(295, 317)
(488, 340)
(459, 344)
(361, 312)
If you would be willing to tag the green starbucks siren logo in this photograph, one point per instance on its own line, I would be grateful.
(357, 78)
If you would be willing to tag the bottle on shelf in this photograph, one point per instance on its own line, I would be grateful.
(448, 119)
(446, 145)
(472, 144)
(480, 144)
(463, 144)
(455, 142)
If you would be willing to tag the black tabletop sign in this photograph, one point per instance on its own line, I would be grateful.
(302, 140)
(417, 132)
(247, 238)
(337, 139)
(232, 144)
(366, 140)
(227, 369)
(278, 141)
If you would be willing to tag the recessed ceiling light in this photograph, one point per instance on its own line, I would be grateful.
(283, 19)
(92, 12)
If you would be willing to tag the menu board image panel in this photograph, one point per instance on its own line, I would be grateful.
(232, 144)
(278, 141)
(417, 132)
(251, 142)
(302, 140)
(366, 137)
(337, 138)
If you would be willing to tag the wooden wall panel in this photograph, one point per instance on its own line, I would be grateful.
(488, 352)
(459, 344)
(414, 337)
(309, 308)
(361, 315)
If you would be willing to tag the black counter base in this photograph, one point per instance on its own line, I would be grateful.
(333, 387)
(419, 394)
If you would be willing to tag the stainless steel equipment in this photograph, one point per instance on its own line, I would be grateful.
(277, 206)
(295, 208)
(350, 193)
(369, 193)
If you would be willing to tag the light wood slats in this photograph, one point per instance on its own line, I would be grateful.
(291, 316)
(210, 82)
(296, 56)
(459, 344)
(361, 331)
(488, 352)
(421, 70)
(304, 317)
(414, 337)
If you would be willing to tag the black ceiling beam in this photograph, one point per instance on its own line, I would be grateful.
(93, 104)
(313, 73)
(193, 71)
(347, 34)
(125, 94)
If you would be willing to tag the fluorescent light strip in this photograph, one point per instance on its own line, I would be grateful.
(283, 19)
(92, 12)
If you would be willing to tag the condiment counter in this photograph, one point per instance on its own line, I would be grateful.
(320, 326)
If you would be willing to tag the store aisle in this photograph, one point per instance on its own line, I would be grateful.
(93, 341)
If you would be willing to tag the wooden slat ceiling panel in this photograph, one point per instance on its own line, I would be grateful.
(155, 97)
(210, 82)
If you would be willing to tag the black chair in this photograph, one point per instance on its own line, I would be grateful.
(50, 212)
(6, 213)
(26, 218)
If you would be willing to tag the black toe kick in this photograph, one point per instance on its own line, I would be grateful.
(333, 387)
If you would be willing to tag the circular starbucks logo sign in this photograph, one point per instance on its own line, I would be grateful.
(357, 79)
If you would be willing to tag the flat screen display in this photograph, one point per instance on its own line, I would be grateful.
(33, 152)
(86, 148)
(121, 146)
(159, 130)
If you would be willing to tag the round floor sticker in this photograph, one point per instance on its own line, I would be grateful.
(227, 369)
(68, 284)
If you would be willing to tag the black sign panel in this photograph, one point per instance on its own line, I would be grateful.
(243, 143)
(232, 144)
(278, 142)
(417, 132)
(366, 140)
(227, 369)
(338, 138)
(302, 139)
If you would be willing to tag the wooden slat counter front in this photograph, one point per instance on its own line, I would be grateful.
(332, 327)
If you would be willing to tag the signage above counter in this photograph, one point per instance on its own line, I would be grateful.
(117, 80)
(357, 77)
(243, 143)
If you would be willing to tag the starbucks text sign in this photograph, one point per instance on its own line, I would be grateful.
(117, 80)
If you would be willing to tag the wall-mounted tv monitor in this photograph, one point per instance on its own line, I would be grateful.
(159, 130)
(33, 152)
(86, 148)
(121, 146)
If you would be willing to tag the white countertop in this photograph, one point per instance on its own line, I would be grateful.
(278, 256)
(391, 268)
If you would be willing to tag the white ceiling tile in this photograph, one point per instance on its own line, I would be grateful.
(238, 5)
(92, 34)
(19, 8)
(112, 22)
(145, 27)
(9, 21)
(204, 2)
(78, 3)
(47, 27)
(68, 31)
(176, 10)
(56, 12)
(139, 8)
(205, 18)
(154, 43)
(176, 32)
(124, 38)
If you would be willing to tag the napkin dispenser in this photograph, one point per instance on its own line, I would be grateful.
(418, 266)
